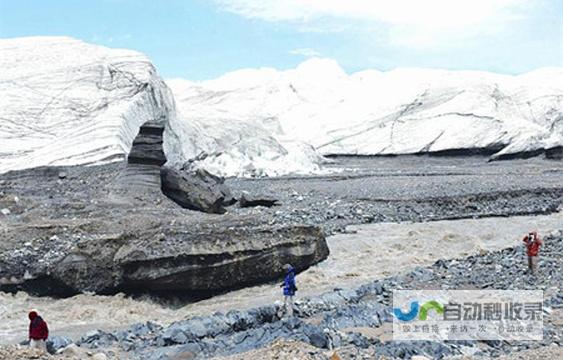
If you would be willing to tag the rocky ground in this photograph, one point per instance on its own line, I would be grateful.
(42, 204)
(300, 351)
(71, 353)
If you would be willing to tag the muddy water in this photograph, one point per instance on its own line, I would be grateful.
(373, 251)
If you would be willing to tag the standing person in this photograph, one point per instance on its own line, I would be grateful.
(38, 331)
(533, 244)
(289, 289)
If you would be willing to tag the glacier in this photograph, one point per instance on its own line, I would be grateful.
(231, 146)
(66, 102)
(402, 111)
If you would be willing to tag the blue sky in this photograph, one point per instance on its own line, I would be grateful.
(198, 39)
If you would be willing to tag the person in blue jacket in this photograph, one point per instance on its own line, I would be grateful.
(289, 289)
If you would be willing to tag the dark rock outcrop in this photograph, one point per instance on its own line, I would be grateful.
(555, 153)
(142, 171)
(248, 255)
(197, 190)
(196, 256)
(147, 146)
(191, 189)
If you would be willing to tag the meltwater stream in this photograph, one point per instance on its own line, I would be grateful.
(370, 252)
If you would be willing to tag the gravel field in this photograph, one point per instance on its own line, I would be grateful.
(411, 188)
(354, 191)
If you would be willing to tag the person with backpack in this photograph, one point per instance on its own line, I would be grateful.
(533, 244)
(38, 331)
(289, 289)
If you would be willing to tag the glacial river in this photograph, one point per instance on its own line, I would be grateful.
(370, 252)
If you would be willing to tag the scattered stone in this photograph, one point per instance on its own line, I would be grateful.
(5, 211)
(247, 200)
(70, 350)
(335, 356)
(281, 349)
(55, 343)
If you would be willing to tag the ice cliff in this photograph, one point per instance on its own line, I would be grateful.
(66, 102)
(396, 112)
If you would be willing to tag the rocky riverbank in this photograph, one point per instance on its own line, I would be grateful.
(356, 321)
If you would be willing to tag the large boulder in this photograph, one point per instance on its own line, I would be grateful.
(197, 190)
(55, 343)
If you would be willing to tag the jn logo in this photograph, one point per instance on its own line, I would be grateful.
(421, 311)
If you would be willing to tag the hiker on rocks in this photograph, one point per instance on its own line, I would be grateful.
(533, 244)
(38, 331)
(289, 289)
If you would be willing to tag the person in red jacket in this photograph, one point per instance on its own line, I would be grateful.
(533, 244)
(38, 331)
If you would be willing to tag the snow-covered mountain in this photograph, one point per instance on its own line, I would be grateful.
(396, 112)
(66, 102)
